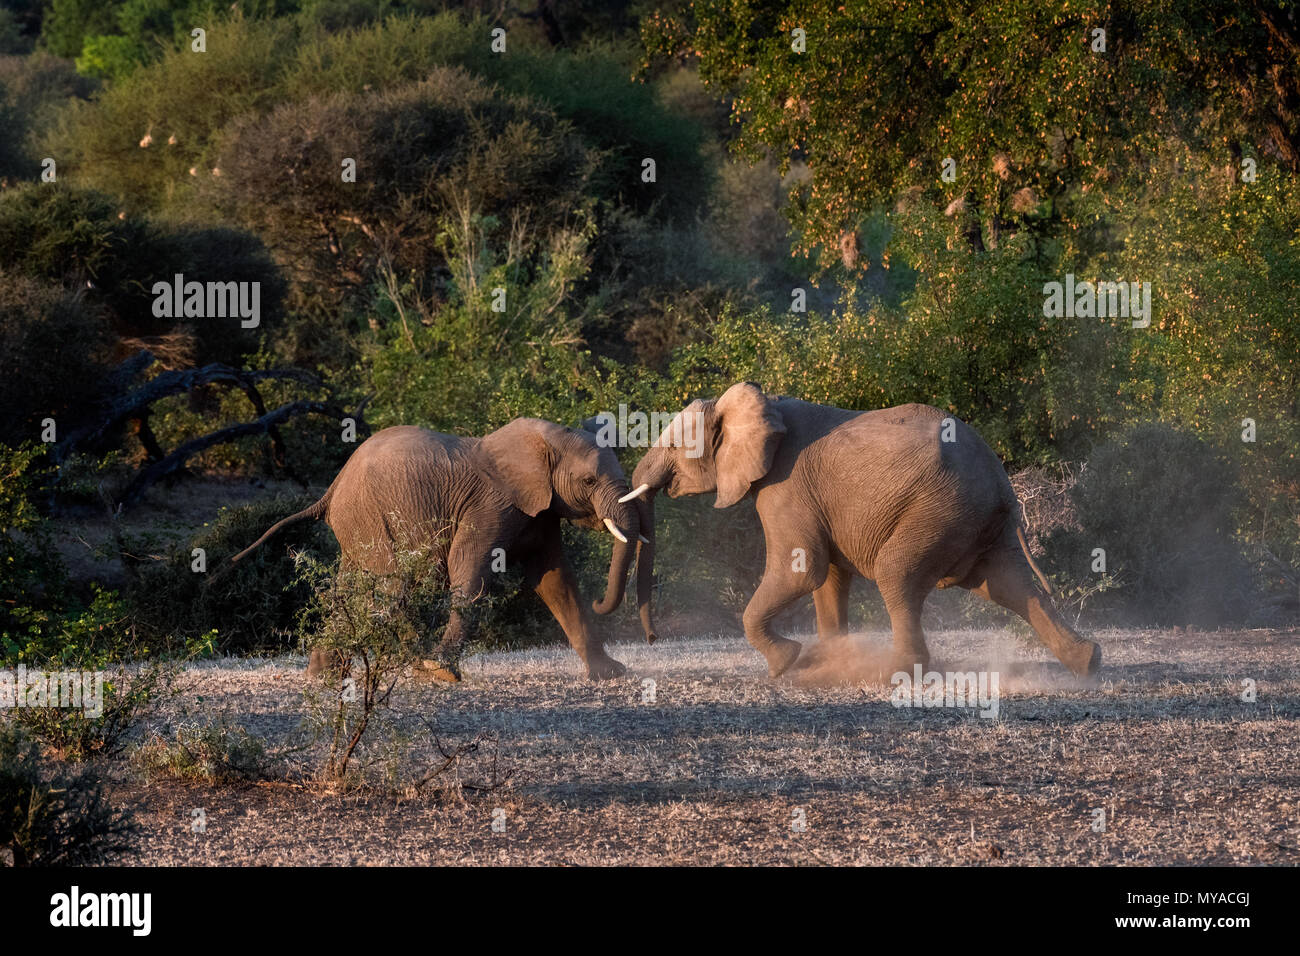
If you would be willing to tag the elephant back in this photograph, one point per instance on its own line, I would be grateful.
(401, 488)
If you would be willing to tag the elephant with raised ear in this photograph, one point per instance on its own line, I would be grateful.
(469, 497)
(909, 497)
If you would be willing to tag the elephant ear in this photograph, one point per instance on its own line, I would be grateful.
(750, 430)
(518, 458)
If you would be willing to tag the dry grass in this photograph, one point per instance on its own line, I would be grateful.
(714, 771)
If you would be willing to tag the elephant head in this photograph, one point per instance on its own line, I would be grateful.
(723, 445)
(541, 465)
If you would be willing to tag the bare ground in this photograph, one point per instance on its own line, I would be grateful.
(721, 765)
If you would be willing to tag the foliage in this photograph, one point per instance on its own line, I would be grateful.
(56, 349)
(886, 90)
(213, 753)
(111, 261)
(251, 607)
(1160, 502)
(377, 626)
(445, 147)
(32, 88)
(44, 620)
(98, 728)
(251, 67)
(51, 816)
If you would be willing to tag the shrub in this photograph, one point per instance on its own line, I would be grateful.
(57, 346)
(110, 262)
(32, 579)
(213, 753)
(426, 152)
(377, 626)
(11, 34)
(129, 694)
(52, 817)
(32, 88)
(109, 57)
(1160, 502)
(251, 607)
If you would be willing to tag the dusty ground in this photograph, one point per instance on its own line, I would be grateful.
(721, 764)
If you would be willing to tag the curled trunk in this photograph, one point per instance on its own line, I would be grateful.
(645, 565)
(625, 517)
(655, 471)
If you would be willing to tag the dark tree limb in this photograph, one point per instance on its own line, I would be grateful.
(147, 438)
(175, 382)
(176, 460)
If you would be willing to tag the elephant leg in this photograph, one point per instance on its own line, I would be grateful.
(904, 584)
(781, 586)
(1004, 577)
(904, 606)
(832, 603)
(319, 661)
(468, 573)
(549, 573)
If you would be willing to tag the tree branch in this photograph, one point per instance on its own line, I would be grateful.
(176, 460)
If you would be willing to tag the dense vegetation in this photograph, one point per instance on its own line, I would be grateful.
(915, 173)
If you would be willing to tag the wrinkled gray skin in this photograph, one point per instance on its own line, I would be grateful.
(510, 490)
(876, 494)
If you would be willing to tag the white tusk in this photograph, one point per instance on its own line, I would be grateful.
(637, 493)
(643, 539)
(613, 529)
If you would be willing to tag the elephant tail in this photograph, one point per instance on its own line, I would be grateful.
(1024, 546)
(312, 511)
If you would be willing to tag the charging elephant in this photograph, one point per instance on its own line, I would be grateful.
(469, 497)
(909, 497)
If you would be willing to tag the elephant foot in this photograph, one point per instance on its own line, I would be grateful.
(604, 667)
(320, 661)
(780, 654)
(905, 663)
(440, 670)
(1083, 658)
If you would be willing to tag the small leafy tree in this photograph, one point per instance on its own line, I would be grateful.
(53, 817)
(371, 628)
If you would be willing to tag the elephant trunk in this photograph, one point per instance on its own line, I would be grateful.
(625, 518)
(654, 471)
(645, 565)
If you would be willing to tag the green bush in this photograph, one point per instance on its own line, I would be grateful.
(110, 262)
(212, 753)
(68, 22)
(11, 34)
(426, 152)
(130, 692)
(377, 627)
(109, 57)
(57, 348)
(51, 817)
(32, 90)
(1161, 503)
(252, 607)
(32, 579)
(44, 620)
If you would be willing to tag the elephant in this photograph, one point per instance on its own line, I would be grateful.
(908, 497)
(468, 497)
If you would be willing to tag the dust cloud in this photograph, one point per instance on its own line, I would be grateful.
(868, 659)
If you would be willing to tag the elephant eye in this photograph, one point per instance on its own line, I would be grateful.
(589, 480)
